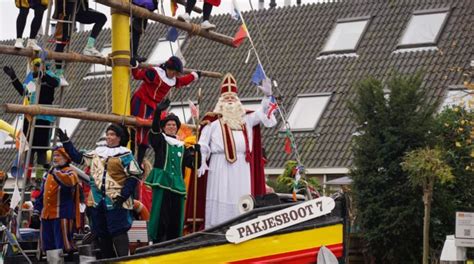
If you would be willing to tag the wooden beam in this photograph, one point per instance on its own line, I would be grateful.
(144, 13)
(76, 57)
(206, 73)
(195, 8)
(79, 114)
(52, 55)
(63, 112)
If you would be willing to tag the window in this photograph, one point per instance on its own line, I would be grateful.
(307, 110)
(162, 50)
(346, 35)
(69, 124)
(251, 103)
(424, 28)
(459, 97)
(183, 112)
(99, 70)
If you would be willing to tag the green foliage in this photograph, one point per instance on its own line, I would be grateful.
(425, 166)
(284, 182)
(453, 135)
(390, 211)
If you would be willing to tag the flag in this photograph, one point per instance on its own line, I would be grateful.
(17, 168)
(272, 106)
(16, 197)
(266, 87)
(240, 36)
(194, 110)
(172, 34)
(22, 142)
(258, 75)
(174, 7)
(287, 145)
(235, 12)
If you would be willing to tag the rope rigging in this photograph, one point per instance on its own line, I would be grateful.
(300, 175)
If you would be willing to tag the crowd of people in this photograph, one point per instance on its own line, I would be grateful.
(226, 158)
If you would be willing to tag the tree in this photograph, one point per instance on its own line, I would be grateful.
(388, 126)
(425, 167)
(454, 135)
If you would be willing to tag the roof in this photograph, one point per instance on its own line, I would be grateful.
(289, 40)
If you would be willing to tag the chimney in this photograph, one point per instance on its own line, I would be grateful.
(273, 3)
(298, 2)
(287, 3)
(261, 4)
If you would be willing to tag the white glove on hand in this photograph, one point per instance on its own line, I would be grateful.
(202, 170)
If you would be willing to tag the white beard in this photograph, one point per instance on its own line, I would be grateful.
(232, 113)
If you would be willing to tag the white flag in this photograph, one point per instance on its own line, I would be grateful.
(16, 197)
(23, 143)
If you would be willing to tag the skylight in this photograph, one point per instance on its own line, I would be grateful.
(346, 35)
(182, 112)
(251, 104)
(99, 70)
(424, 28)
(307, 111)
(163, 50)
(459, 97)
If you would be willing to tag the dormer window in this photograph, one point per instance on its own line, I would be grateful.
(346, 35)
(307, 110)
(424, 28)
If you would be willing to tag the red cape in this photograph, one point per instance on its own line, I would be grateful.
(257, 177)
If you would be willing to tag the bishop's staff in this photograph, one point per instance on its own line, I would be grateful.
(195, 115)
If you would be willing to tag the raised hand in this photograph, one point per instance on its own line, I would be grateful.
(10, 72)
(62, 135)
(164, 104)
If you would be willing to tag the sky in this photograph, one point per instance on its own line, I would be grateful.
(8, 13)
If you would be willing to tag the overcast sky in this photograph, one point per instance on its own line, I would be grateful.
(9, 13)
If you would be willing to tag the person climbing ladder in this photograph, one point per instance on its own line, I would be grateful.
(206, 12)
(39, 6)
(157, 82)
(64, 11)
(138, 27)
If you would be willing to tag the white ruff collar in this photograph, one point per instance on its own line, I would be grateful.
(169, 81)
(173, 141)
(106, 152)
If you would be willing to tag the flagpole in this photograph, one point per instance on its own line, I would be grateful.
(250, 39)
(196, 159)
(287, 125)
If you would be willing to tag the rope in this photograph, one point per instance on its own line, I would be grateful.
(195, 29)
(282, 111)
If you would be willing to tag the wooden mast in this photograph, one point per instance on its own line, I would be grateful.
(124, 6)
(121, 91)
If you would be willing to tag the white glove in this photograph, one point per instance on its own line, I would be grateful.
(202, 170)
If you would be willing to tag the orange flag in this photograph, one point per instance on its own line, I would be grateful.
(174, 7)
(240, 36)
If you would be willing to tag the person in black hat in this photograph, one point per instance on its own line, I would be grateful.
(166, 179)
(114, 177)
(157, 82)
(40, 75)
